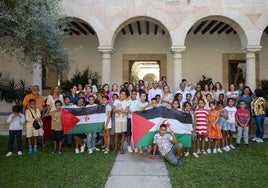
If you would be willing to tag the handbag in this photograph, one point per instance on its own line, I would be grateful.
(36, 124)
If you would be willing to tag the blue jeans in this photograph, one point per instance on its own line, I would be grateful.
(91, 140)
(259, 121)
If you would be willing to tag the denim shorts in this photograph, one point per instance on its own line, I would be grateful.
(57, 135)
(223, 124)
(171, 155)
(231, 127)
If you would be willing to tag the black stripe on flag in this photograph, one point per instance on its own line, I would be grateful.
(87, 110)
(166, 113)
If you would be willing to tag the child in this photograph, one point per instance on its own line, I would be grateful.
(107, 127)
(78, 137)
(132, 108)
(176, 105)
(112, 132)
(231, 109)
(67, 138)
(141, 106)
(223, 125)
(32, 114)
(187, 109)
(168, 146)
(242, 117)
(91, 137)
(56, 126)
(15, 120)
(158, 99)
(214, 131)
(121, 108)
(200, 125)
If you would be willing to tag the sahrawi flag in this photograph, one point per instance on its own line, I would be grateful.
(83, 120)
(146, 124)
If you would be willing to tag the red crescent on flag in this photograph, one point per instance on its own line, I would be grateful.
(166, 123)
(87, 118)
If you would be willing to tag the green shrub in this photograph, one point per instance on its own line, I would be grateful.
(81, 78)
(204, 81)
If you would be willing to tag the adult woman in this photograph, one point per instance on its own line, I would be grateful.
(90, 83)
(205, 91)
(258, 109)
(146, 89)
(52, 97)
(247, 96)
(167, 98)
(105, 91)
(218, 90)
(232, 93)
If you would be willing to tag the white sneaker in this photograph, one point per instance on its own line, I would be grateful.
(76, 150)
(82, 149)
(186, 154)
(228, 148)
(204, 152)
(129, 149)
(225, 149)
(141, 151)
(219, 150)
(206, 139)
(214, 150)
(198, 151)
(90, 151)
(209, 151)
(9, 154)
(259, 140)
(231, 146)
(96, 149)
(195, 155)
(149, 149)
(254, 138)
(19, 153)
(136, 150)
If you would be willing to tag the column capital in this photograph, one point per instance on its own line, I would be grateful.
(177, 49)
(252, 49)
(105, 49)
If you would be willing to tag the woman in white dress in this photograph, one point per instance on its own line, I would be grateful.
(52, 97)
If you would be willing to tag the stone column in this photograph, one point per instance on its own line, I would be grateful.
(176, 52)
(251, 66)
(106, 53)
(37, 74)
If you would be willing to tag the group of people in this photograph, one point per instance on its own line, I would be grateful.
(217, 116)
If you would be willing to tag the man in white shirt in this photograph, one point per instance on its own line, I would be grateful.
(183, 91)
(154, 91)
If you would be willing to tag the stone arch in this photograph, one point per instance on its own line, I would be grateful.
(234, 18)
(129, 20)
(149, 77)
(262, 23)
(94, 23)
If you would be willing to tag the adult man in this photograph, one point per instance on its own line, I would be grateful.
(182, 91)
(154, 91)
(33, 95)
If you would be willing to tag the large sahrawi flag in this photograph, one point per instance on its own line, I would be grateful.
(83, 120)
(146, 124)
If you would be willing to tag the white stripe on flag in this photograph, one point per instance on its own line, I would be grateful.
(93, 118)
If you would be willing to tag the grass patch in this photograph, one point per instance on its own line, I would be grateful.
(237, 168)
(44, 169)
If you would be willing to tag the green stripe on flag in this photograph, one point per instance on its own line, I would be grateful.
(184, 139)
(87, 128)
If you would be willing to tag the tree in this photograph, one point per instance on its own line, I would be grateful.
(29, 30)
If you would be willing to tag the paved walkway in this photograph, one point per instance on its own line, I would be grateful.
(135, 170)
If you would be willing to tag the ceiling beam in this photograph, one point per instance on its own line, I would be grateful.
(189, 30)
(124, 31)
(229, 30)
(209, 26)
(130, 29)
(200, 26)
(88, 28)
(76, 32)
(139, 27)
(79, 27)
(155, 29)
(223, 28)
(147, 28)
(216, 27)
